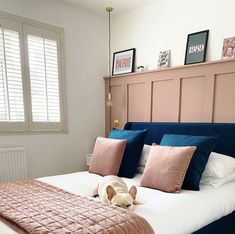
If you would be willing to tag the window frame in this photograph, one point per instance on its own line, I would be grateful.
(24, 26)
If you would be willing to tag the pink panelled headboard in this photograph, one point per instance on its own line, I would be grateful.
(194, 93)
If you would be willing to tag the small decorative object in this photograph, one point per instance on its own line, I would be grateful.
(228, 48)
(196, 47)
(164, 59)
(140, 68)
(123, 61)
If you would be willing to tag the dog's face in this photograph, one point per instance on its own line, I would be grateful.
(124, 200)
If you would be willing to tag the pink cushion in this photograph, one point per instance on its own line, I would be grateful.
(107, 156)
(166, 167)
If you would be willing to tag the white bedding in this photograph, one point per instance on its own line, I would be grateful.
(167, 213)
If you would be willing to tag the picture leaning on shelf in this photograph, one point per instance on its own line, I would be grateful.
(164, 59)
(228, 50)
(196, 47)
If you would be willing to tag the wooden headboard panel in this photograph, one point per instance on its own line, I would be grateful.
(194, 93)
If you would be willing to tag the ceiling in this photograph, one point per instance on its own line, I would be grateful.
(98, 6)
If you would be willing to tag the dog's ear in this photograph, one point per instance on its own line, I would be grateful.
(111, 192)
(132, 192)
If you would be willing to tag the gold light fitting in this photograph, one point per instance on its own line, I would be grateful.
(109, 9)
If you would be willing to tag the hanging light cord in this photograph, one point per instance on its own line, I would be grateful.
(109, 53)
(109, 98)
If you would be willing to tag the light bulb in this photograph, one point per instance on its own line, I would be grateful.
(109, 100)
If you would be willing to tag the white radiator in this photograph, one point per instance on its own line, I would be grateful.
(13, 164)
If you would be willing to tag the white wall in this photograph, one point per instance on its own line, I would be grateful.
(86, 63)
(165, 24)
(158, 26)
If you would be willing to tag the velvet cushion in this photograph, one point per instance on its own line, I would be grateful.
(204, 144)
(107, 156)
(134, 145)
(166, 167)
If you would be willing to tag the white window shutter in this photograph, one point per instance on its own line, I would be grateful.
(11, 87)
(44, 79)
(32, 92)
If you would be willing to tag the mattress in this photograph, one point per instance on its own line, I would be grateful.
(167, 213)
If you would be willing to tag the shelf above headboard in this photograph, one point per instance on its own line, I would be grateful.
(194, 93)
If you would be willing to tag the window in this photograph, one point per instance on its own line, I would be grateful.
(31, 84)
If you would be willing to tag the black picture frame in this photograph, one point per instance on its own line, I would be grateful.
(196, 47)
(129, 68)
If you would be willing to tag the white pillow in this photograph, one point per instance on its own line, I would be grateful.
(140, 170)
(219, 166)
(143, 158)
(217, 182)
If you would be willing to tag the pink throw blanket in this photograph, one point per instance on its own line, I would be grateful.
(31, 206)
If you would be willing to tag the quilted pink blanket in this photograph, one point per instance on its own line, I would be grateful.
(31, 206)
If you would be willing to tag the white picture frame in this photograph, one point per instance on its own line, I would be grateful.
(164, 59)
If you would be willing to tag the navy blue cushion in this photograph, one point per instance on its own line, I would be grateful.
(134, 146)
(204, 144)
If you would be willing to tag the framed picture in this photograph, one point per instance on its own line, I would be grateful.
(228, 48)
(164, 59)
(123, 61)
(196, 47)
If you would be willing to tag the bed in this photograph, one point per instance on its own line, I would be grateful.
(209, 210)
(226, 145)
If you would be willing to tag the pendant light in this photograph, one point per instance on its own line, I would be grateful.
(109, 97)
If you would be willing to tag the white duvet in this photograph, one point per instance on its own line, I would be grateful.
(185, 212)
